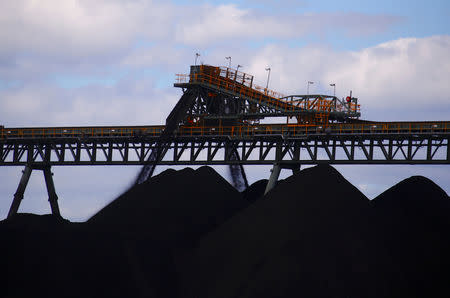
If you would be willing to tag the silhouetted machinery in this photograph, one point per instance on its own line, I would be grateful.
(215, 97)
(217, 122)
(221, 96)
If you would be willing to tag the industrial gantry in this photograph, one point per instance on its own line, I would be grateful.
(217, 121)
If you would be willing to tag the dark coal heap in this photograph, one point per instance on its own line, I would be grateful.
(174, 208)
(189, 233)
(255, 191)
(414, 216)
(310, 236)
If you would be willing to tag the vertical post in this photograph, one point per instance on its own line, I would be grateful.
(296, 153)
(268, 77)
(307, 87)
(196, 56)
(236, 73)
(52, 197)
(273, 177)
(334, 89)
(110, 151)
(352, 149)
(18, 196)
(371, 150)
(429, 149)
(409, 155)
(390, 149)
(125, 151)
(448, 149)
(333, 151)
(229, 63)
(78, 151)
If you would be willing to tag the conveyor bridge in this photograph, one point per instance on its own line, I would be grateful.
(376, 143)
(217, 122)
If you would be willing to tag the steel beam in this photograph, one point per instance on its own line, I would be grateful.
(448, 150)
(52, 197)
(200, 150)
(275, 173)
(18, 196)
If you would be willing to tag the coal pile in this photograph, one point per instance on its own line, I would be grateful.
(311, 236)
(129, 248)
(165, 216)
(255, 191)
(414, 217)
(174, 208)
(36, 258)
(189, 233)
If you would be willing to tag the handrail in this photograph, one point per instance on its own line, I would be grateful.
(242, 84)
(255, 92)
(237, 130)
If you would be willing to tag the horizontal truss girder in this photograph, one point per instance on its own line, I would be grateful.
(331, 149)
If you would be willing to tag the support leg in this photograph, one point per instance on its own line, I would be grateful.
(273, 177)
(18, 196)
(52, 197)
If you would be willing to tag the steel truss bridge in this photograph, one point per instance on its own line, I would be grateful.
(391, 143)
(216, 122)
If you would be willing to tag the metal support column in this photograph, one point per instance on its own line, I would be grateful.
(18, 196)
(273, 177)
(52, 197)
(448, 149)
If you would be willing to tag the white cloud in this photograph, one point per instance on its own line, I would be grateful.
(409, 74)
(228, 23)
(154, 55)
(83, 31)
(79, 27)
(132, 101)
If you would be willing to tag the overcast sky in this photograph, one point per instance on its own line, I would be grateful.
(82, 62)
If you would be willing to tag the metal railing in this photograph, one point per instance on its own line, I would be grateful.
(234, 131)
(234, 81)
(308, 129)
(40, 132)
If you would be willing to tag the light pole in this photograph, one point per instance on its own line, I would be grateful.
(196, 56)
(307, 88)
(237, 70)
(268, 77)
(229, 61)
(334, 89)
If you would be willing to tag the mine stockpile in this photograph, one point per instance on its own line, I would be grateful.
(189, 233)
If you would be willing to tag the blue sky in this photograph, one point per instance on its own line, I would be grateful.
(112, 62)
